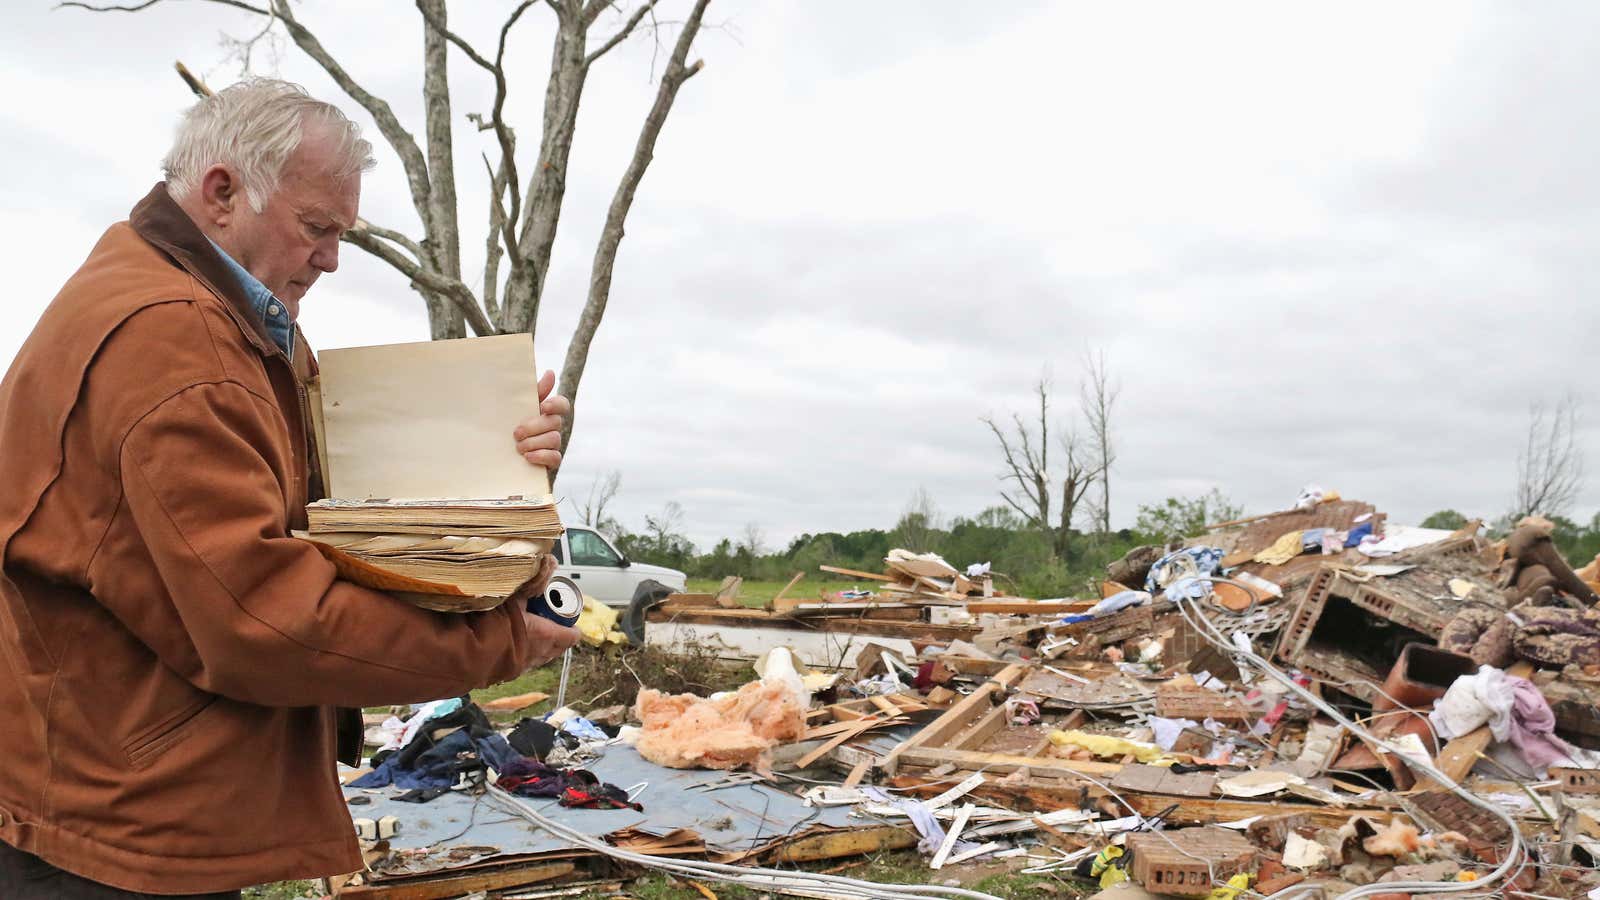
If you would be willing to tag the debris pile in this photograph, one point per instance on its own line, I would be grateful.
(1311, 701)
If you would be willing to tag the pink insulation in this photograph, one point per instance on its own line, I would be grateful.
(687, 732)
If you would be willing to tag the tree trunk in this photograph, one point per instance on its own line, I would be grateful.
(548, 187)
(443, 243)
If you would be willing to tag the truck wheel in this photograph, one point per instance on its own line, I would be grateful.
(645, 596)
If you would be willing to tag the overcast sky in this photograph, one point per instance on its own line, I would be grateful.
(1347, 246)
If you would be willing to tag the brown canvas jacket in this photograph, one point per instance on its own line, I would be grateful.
(170, 659)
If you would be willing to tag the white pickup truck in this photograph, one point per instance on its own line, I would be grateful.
(602, 572)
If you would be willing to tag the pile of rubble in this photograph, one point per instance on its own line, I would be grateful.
(1312, 701)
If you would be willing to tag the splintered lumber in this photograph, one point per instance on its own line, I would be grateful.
(870, 576)
(834, 843)
(727, 595)
(460, 885)
(958, 717)
(1016, 606)
(788, 587)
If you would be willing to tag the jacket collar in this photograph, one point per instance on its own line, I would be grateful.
(163, 223)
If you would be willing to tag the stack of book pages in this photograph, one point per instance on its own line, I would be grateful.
(429, 498)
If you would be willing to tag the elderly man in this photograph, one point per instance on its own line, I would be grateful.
(175, 662)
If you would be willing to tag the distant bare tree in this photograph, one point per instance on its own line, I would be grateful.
(1027, 465)
(523, 215)
(602, 490)
(918, 523)
(1550, 465)
(1098, 395)
(754, 540)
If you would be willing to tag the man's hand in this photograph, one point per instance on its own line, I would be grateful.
(539, 437)
(546, 639)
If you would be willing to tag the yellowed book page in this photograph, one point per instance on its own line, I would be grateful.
(430, 420)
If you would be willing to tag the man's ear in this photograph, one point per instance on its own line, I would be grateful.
(220, 195)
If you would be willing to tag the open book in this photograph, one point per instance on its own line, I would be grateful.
(428, 496)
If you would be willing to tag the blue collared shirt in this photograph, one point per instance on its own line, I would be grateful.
(267, 307)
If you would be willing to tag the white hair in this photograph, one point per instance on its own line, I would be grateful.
(253, 127)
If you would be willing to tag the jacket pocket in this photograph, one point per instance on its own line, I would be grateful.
(143, 748)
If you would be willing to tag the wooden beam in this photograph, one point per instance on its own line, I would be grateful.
(459, 885)
(870, 576)
(972, 761)
(848, 842)
(786, 588)
(957, 717)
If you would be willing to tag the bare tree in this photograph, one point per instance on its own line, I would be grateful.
(754, 540)
(1098, 395)
(1027, 466)
(1550, 464)
(918, 523)
(602, 490)
(523, 215)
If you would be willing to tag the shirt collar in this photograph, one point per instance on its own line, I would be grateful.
(268, 308)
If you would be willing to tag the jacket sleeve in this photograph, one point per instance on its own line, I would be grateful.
(201, 567)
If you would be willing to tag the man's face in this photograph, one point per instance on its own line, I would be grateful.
(295, 238)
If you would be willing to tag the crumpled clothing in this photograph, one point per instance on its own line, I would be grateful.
(578, 788)
(922, 819)
(437, 767)
(1285, 548)
(584, 729)
(1116, 602)
(1188, 589)
(1512, 707)
(1189, 562)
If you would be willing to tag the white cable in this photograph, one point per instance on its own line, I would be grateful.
(1203, 626)
(749, 876)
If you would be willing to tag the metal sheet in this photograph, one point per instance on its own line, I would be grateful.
(731, 818)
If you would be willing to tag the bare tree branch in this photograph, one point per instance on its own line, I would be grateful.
(113, 7)
(622, 35)
(392, 236)
(404, 144)
(423, 278)
(493, 249)
(1550, 465)
(605, 255)
(547, 188)
(1098, 396)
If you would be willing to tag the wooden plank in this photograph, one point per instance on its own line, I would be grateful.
(985, 728)
(963, 815)
(856, 729)
(1019, 607)
(458, 885)
(957, 717)
(1000, 762)
(858, 773)
(727, 595)
(870, 576)
(786, 588)
(849, 842)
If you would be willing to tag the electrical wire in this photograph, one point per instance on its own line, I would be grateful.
(758, 878)
(1516, 856)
